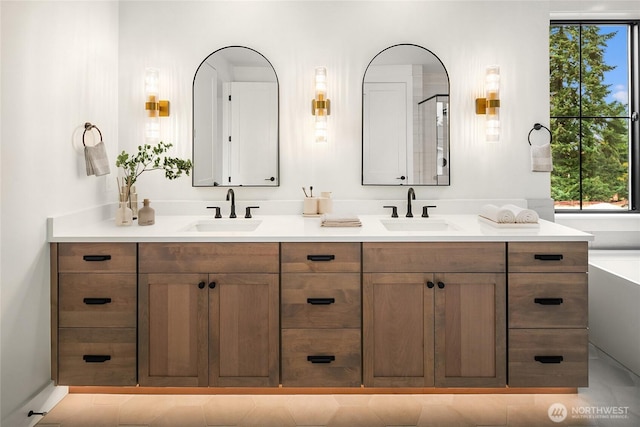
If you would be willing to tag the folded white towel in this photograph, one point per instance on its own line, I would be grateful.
(496, 214)
(523, 215)
(509, 214)
(335, 220)
(541, 160)
(96, 160)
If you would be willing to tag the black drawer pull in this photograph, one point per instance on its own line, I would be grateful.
(96, 301)
(95, 358)
(548, 301)
(548, 359)
(320, 301)
(550, 257)
(96, 257)
(321, 359)
(321, 257)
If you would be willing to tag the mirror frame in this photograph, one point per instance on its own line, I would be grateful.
(447, 160)
(193, 124)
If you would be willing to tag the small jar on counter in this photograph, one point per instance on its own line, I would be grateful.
(146, 214)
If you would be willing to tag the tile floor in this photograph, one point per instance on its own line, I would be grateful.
(612, 388)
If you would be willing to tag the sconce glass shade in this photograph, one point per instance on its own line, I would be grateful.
(321, 82)
(321, 106)
(152, 130)
(490, 104)
(321, 129)
(151, 83)
(492, 93)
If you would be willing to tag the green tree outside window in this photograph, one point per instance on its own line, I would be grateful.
(590, 129)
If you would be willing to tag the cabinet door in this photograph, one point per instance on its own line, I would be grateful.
(470, 330)
(243, 330)
(172, 317)
(398, 330)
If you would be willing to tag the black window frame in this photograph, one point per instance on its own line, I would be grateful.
(634, 111)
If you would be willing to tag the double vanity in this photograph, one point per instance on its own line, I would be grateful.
(444, 302)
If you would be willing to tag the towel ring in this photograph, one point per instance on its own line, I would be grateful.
(536, 126)
(87, 127)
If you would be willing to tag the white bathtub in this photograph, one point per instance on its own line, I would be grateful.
(614, 304)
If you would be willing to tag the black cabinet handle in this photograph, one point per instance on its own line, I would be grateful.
(321, 257)
(320, 301)
(430, 284)
(548, 359)
(95, 358)
(548, 257)
(441, 285)
(96, 301)
(96, 257)
(212, 285)
(548, 301)
(201, 285)
(321, 359)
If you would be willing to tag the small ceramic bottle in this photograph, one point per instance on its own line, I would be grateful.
(124, 216)
(146, 214)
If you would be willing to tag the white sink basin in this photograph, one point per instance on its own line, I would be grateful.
(417, 224)
(225, 225)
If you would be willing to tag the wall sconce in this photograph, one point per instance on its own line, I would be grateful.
(490, 104)
(321, 106)
(153, 106)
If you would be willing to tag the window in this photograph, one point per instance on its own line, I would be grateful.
(594, 88)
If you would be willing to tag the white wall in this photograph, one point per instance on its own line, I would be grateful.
(59, 70)
(344, 36)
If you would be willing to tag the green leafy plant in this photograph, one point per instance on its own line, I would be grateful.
(151, 158)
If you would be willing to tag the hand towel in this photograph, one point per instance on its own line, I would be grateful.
(96, 160)
(541, 160)
(523, 215)
(496, 214)
(334, 220)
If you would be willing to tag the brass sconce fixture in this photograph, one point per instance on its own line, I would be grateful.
(490, 104)
(321, 106)
(154, 107)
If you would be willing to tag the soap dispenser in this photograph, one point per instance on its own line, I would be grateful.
(146, 214)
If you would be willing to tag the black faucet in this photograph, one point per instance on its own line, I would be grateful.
(233, 202)
(410, 195)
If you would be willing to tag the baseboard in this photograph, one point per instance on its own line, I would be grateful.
(43, 401)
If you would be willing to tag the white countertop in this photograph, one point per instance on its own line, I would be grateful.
(296, 228)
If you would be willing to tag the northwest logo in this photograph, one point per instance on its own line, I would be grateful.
(557, 412)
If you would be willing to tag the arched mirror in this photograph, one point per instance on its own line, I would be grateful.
(235, 120)
(405, 118)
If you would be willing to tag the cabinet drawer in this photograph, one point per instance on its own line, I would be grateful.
(97, 300)
(320, 257)
(97, 257)
(97, 356)
(321, 300)
(552, 300)
(561, 257)
(208, 257)
(412, 257)
(321, 358)
(548, 358)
